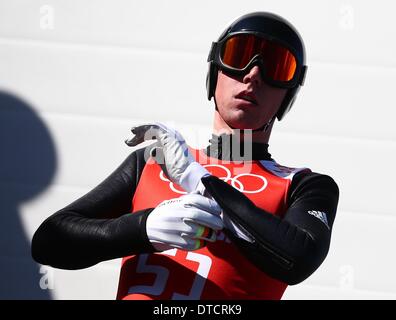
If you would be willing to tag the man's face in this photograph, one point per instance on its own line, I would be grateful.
(247, 102)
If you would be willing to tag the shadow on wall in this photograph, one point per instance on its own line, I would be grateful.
(27, 166)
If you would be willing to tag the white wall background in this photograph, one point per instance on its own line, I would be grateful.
(76, 75)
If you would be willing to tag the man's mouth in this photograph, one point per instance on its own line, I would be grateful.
(247, 96)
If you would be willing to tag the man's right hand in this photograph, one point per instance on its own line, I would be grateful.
(184, 223)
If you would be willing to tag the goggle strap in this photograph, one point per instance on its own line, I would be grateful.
(302, 75)
(212, 52)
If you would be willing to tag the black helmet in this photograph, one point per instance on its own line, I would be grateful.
(274, 30)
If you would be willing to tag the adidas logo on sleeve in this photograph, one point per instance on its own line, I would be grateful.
(322, 216)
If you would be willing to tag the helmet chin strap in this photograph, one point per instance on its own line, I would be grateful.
(265, 127)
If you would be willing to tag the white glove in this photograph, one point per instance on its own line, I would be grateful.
(177, 162)
(184, 223)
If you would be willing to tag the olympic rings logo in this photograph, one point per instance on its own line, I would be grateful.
(235, 182)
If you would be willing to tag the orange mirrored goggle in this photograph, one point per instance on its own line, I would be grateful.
(238, 52)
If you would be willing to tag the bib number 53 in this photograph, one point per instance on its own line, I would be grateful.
(162, 275)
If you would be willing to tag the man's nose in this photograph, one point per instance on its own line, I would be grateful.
(254, 76)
